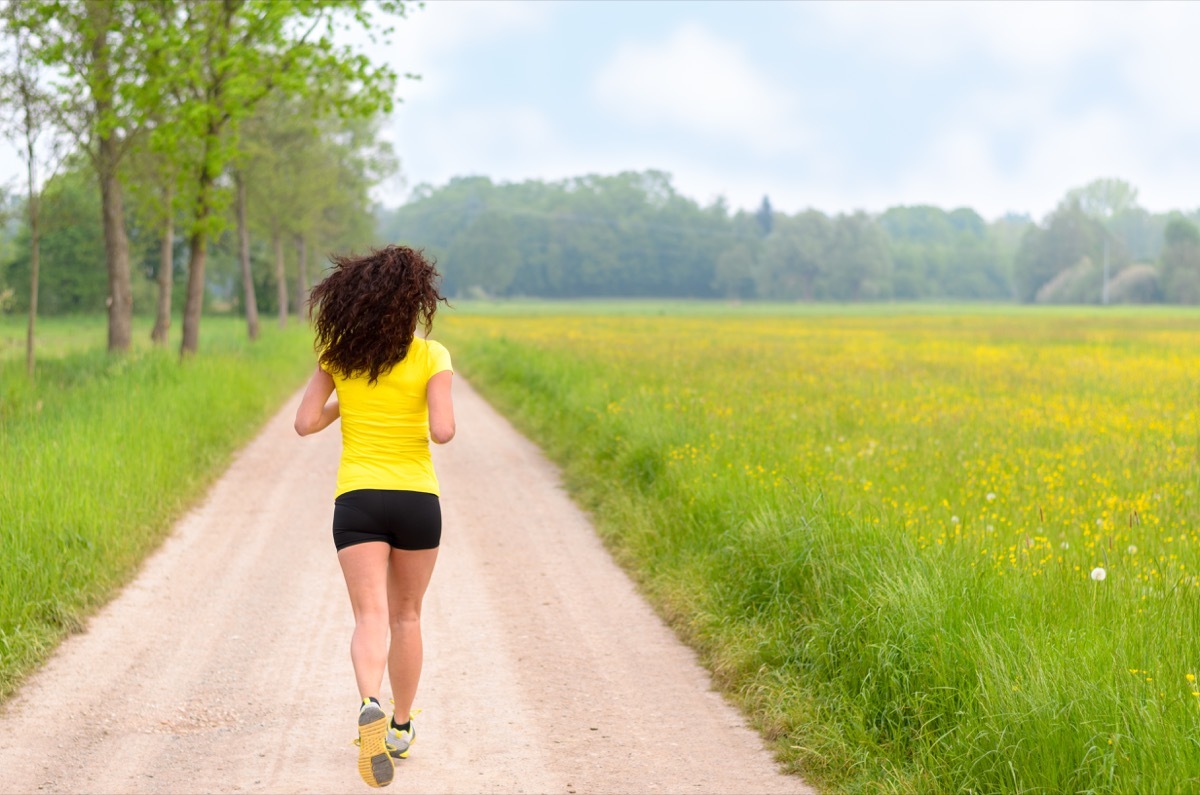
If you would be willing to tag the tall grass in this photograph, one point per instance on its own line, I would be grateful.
(99, 454)
(880, 529)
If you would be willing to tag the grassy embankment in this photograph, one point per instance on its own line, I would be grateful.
(99, 455)
(880, 527)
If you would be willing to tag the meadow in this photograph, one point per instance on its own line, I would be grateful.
(99, 455)
(951, 550)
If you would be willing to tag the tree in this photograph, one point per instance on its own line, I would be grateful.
(738, 255)
(1140, 231)
(152, 177)
(307, 179)
(273, 147)
(1070, 235)
(224, 57)
(1113, 202)
(922, 240)
(734, 276)
(765, 217)
(9, 210)
(943, 254)
(483, 258)
(98, 51)
(20, 86)
(1102, 199)
(352, 159)
(70, 246)
(860, 263)
(1180, 266)
(795, 257)
(249, 296)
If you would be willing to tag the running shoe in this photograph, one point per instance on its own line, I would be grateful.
(374, 763)
(398, 742)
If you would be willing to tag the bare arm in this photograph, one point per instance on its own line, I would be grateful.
(314, 414)
(441, 407)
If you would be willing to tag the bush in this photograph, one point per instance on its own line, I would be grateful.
(1137, 284)
(1079, 284)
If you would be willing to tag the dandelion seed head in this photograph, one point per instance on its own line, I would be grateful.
(991, 496)
(1098, 574)
(1132, 549)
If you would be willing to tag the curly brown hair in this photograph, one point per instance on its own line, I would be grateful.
(367, 310)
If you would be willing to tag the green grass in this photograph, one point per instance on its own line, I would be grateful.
(877, 527)
(648, 307)
(100, 455)
(60, 335)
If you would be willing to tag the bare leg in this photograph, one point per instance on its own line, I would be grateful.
(408, 577)
(365, 567)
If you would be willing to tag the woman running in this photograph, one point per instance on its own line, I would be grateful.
(393, 396)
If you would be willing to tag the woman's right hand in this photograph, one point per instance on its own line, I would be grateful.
(314, 415)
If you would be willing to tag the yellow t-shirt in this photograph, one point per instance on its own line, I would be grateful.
(385, 426)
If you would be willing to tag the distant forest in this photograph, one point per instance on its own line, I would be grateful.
(626, 235)
(633, 235)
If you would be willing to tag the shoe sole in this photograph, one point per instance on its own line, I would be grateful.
(374, 762)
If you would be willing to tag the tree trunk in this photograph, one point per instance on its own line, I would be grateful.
(34, 264)
(116, 252)
(195, 291)
(280, 278)
(166, 265)
(196, 262)
(116, 244)
(248, 297)
(194, 304)
(301, 275)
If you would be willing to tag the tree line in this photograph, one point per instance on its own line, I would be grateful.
(186, 127)
(224, 145)
(634, 235)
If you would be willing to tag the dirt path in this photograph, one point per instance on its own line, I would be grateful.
(225, 666)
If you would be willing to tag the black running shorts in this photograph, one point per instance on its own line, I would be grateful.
(403, 519)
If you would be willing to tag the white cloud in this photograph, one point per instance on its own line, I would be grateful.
(1077, 150)
(443, 27)
(1041, 124)
(477, 140)
(1064, 122)
(435, 137)
(1033, 36)
(958, 162)
(430, 40)
(1158, 63)
(961, 167)
(700, 84)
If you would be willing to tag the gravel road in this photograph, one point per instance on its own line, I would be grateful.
(224, 667)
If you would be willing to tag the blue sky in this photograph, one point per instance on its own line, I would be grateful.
(837, 106)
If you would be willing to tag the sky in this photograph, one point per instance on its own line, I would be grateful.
(838, 106)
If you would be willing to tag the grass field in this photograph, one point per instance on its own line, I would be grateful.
(928, 551)
(99, 455)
